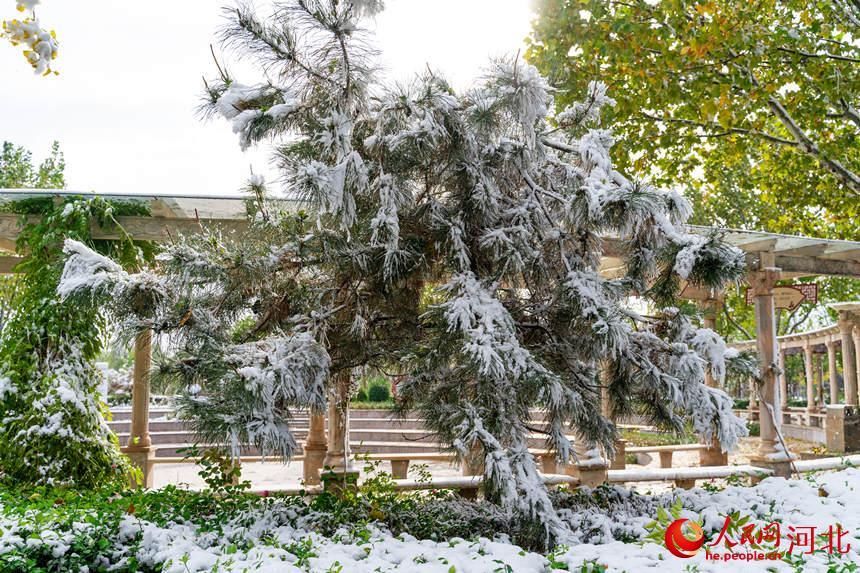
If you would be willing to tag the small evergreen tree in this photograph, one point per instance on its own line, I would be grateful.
(456, 238)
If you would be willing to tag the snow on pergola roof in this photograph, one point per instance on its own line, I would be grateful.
(797, 256)
(175, 214)
(166, 206)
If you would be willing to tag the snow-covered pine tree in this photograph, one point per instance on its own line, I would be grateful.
(454, 237)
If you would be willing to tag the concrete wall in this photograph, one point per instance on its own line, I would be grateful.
(805, 433)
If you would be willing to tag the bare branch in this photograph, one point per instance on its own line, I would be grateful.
(825, 55)
(850, 179)
(721, 130)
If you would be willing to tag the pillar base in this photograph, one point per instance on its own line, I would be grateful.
(469, 493)
(842, 428)
(590, 475)
(685, 483)
(142, 458)
(780, 468)
(619, 462)
(338, 482)
(713, 456)
(314, 455)
(548, 464)
(593, 476)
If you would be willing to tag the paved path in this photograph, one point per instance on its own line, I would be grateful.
(274, 475)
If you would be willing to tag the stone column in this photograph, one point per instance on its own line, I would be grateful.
(770, 454)
(588, 462)
(753, 397)
(819, 383)
(139, 447)
(809, 369)
(832, 372)
(339, 471)
(714, 455)
(315, 449)
(849, 358)
(856, 337)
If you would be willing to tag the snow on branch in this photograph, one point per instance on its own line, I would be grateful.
(588, 111)
(88, 271)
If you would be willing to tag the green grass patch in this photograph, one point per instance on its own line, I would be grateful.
(655, 438)
(360, 405)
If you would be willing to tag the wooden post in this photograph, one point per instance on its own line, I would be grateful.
(139, 447)
(770, 453)
(849, 358)
(832, 372)
(339, 472)
(665, 459)
(315, 449)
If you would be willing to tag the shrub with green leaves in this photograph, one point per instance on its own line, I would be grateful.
(379, 392)
(54, 430)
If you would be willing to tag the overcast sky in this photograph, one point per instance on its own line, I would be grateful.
(123, 105)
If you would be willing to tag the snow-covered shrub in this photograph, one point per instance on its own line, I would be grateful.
(53, 430)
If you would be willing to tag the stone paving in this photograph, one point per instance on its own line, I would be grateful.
(275, 475)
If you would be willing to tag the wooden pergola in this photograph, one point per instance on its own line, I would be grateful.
(770, 257)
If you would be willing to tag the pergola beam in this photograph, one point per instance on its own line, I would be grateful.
(801, 260)
(818, 266)
(140, 228)
(842, 255)
(8, 263)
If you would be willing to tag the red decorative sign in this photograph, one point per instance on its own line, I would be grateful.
(789, 297)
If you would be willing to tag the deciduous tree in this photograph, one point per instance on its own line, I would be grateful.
(753, 105)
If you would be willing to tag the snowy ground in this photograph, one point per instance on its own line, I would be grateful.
(278, 541)
(820, 501)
